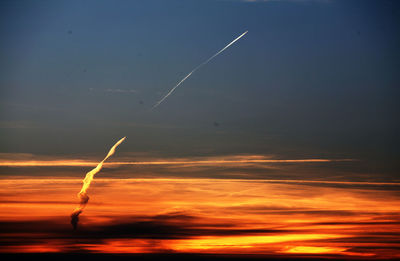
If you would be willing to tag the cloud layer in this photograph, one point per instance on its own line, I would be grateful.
(278, 218)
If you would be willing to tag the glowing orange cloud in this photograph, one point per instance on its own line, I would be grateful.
(229, 160)
(213, 216)
(86, 183)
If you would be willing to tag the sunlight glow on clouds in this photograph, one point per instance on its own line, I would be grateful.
(201, 216)
(234, 160)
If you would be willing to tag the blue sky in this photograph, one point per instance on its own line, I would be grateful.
(310, 79)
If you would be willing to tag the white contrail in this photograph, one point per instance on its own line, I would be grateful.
(195, 69)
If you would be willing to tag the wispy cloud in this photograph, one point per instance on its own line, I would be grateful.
(110, 90)
(235, 160)
(250, 166)
(122, 90)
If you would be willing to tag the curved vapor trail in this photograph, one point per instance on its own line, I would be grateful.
(195, 69)
(84, 198)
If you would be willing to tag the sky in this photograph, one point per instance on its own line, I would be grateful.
(306, 101)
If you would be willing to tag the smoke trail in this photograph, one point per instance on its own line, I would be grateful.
(84, 198)
(195, 69)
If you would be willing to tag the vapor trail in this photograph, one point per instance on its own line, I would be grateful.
(84, 198)
(195, 69)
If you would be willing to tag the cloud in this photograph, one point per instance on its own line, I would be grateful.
(236, 160)
(110, 90)
(246, 166)
(180, 232)
(199, 216)
(121, 90)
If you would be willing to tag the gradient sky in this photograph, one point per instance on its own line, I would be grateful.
(286, 144)
(310, 79)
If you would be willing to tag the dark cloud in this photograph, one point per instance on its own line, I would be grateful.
(180, 225)
(168, 226)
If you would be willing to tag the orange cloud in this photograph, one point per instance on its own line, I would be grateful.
(24, 161)
(202, 216)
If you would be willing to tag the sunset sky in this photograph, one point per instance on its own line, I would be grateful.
(284, 145)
